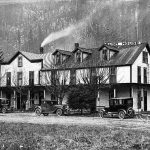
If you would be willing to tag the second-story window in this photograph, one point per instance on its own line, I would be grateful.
(8, 78)
(139, 74)
(72, 76)
(31, 77)
(58, 59)
(20, 64)
(19, 78)
(145, 57)
(145, 75)
(78, 56)
(53, 77)
(105, 54)
(112, 75)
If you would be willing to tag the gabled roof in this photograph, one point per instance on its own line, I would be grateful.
(62, 52)
(30, 56)
(128, 54)
(85, 50)
(110, 47)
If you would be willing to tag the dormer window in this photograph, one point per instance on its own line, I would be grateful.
(60, 56)
(78, 56)
(20, 61)
(104, 53)
(58, 59)
(107, 52)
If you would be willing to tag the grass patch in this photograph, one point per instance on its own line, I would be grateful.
(60, 137)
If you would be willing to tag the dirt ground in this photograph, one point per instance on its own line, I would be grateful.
(137, 124)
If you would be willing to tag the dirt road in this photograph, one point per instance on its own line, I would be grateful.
(141, 124)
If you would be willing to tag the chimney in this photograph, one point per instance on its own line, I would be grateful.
(76, 45)
(41, 50)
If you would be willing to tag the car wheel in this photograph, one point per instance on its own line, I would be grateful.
(4, 110)
(38, 112)
(59, 112)
(45, 114)
(130, 112)
(121, 114)
(101, 114)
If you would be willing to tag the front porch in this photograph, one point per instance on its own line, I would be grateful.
(23, 98)
(139, 92)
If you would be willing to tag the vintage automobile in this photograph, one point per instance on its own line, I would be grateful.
(48, 107)
(5, 105)
(119, 106)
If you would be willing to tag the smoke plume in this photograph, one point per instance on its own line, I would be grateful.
(56, 35)
(69, 30)
(99, 6)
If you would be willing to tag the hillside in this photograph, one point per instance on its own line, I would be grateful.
(24, 25)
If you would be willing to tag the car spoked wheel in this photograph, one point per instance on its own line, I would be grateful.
(130, 112)
(4, 110)
(59, 112)
(38, 112)
(101, 114)
(121, 114)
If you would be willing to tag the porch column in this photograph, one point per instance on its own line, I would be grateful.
(131, 92)
(15, 99)
(44, 93)
(114, 92)
(98, 98)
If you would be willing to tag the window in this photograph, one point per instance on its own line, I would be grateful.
(112, 75)
(145, 57)
(145, 75)
(93, 76)
(116, 102)
(72, 76)
(78, 57)
(53, 77)
(19, 78)
(139, 74)
(8, 78)
(120, 102)
(20, 61)
(104, 54)
(31, 77)
(111, 103)
(58, 59)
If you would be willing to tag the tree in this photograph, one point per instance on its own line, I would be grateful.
(89, 83)
(56, 82)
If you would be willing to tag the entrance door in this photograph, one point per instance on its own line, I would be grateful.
(145, 100)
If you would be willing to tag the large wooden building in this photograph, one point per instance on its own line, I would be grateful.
(123, 68)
